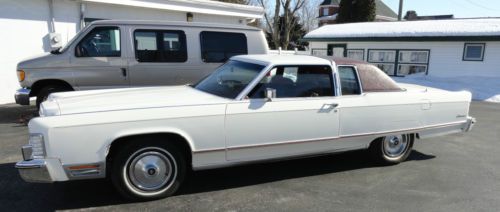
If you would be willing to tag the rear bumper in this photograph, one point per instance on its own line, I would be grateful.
(22, 96)
(34, 171)
(469, 124)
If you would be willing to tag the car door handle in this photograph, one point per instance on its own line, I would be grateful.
(124, 72)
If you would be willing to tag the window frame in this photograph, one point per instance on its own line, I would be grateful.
(396, 63)
(464, 56)
(159, 34)
(361, 92)
(90, 31)
(227, 59)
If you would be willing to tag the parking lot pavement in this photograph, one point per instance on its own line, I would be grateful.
(451, 173)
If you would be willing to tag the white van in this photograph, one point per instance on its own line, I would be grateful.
(118, 53)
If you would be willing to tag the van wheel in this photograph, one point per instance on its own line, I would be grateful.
(46, 91)
(392, 149)
(149, 170)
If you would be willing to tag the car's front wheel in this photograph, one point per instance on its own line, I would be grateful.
(148, 170)
(392, 149)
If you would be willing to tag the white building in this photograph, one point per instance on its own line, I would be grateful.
(459, 47)
(31, 27)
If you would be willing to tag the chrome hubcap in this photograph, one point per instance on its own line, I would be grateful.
(395, 146)
(150, 171)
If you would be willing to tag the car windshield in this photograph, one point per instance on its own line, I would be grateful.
(229, 79)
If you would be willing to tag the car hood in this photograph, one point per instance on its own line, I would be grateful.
(66, 103)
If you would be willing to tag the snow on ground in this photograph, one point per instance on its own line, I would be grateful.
(482, 88)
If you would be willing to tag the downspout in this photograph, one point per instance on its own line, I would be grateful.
(82, 15)
(52, 28)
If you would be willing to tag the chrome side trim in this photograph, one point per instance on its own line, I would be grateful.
(85, 171)
(22, 96)
(409, 130)
(277, 158)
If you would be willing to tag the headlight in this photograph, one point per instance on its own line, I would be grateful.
(38, 147)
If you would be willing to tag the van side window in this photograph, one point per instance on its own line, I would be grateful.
(160, 46)
(349, 80)
(218, 47)
(100, 42)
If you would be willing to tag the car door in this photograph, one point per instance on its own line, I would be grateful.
(98, 60)
(302, 119)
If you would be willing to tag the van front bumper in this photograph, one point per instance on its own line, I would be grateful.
(22, 96)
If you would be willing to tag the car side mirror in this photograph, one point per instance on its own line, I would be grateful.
(270, 94)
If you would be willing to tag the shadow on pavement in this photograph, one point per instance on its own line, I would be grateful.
(17, 195)
(17, 114)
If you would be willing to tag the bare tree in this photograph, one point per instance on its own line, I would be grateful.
(290, 7)
(272, 26)
(309, 15)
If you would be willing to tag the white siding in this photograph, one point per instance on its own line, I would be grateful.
(24, 28)
(445, 57)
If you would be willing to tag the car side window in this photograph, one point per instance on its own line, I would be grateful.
(296, 81)
(218, 47)
(349, 80)
(100, 42)
(160, 46)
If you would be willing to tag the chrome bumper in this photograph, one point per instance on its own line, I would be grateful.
(469, 124)
(22, 96)
(35, 171)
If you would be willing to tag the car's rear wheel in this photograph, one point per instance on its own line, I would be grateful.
(392, 149)
(148, 170)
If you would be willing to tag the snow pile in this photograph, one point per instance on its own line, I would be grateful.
(482, 88)
(435, 28)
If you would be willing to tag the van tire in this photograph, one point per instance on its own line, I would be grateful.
(46, 91)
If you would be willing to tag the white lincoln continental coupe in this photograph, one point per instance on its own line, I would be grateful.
(254, 108)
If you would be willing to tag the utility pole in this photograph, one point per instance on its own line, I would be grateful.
(400, 14)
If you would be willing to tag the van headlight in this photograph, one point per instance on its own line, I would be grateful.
(37, 146)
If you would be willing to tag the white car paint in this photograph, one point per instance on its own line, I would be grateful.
(222, 132)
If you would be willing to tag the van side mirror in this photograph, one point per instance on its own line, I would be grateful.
(270, 94)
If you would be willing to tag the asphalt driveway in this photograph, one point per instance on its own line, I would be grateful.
(450, 173)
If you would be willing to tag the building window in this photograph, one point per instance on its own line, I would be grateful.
(325, 12)
(100, 42)
(357, 54)
(218, 47)
(383, 59)
(474, 52)
(161, 46)
(412, 62)
(400, 62)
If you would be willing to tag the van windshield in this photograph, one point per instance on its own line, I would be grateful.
(230, 79)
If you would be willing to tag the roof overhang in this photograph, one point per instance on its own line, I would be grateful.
(407, 39)
(194, 6)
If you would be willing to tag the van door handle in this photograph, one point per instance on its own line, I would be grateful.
(124, 72)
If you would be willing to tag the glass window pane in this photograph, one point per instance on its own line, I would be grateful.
(100, 42)
(296, 81)
(408, 69)
(349, 81)
(357, 54)
(382, 56)
(474, 51)
(387, 68)
(218, 47)
(413, 56)
(145, 40)
(171, 48)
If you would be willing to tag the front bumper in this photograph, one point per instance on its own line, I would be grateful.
(22, 96)
(35, 171)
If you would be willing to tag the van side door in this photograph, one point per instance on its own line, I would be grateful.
(98, 59)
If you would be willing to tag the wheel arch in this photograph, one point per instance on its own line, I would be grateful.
(40, 84)
(181, 139)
